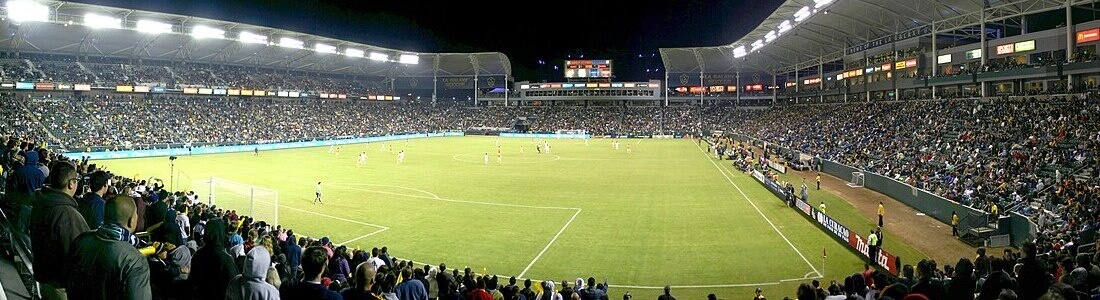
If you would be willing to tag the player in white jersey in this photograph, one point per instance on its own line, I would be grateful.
(547, 148)
(331, 148)
(521, 151)
(317, 191)
(362, 159)
(486, 158)
(616, 144)
(586, 141)
(400, 156)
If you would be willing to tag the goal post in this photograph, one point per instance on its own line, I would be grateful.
(857, 180)
(262, 204)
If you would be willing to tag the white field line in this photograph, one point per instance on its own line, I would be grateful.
(577, 211)
(711, 286)
(723, 171)
(550, 243)
(363, 236)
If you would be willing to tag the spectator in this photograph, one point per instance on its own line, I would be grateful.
(105, 264)
(293, 256)
(22, 185)
(963, 284)
(314, 261)
(55, 222)
(212, 268)
(594, 292)
(410, 289)
(251, 283)
(364, 282)
(1033, 280)
(91, 205)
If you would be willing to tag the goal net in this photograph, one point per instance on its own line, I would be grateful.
(262, 204)
(857, 180)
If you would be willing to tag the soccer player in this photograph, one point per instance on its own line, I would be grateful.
(628, 150)
(331, 148)
(547, 148)
(400, 156)
(317, 191)
(499, 158)
(362, 159)
(520, 150)
(486, 158)
(586, 141)
(383, 147)
(256, 151)
(616, 144)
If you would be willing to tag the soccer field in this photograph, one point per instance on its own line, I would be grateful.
(664, 214)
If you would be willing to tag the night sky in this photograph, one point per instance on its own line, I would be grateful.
(536, 36)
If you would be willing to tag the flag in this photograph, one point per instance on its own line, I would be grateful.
(823, 254)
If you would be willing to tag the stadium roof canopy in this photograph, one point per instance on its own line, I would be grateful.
(804, 33)
(92, 30)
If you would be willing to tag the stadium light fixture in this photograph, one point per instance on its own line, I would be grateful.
(322, 48)
(821, 3)
(248, 37)
(155, 27)
(290, 43)
(207, 32)
(768, 38)
(410, 59)
(101, 21)
(352, 52)
(25, 10)
(379, 56)
(757, 45)
(802, 14)
(739, 52)
(785, 26)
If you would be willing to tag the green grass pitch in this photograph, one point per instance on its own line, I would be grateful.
(666, 213)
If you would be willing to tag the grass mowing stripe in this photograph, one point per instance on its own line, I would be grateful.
(720, 170)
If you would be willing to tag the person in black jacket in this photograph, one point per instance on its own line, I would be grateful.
(212, 268)
(105, 264)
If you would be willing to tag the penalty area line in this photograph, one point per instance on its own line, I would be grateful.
(552, 240)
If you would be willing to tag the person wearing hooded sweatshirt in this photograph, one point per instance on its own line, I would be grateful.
(22, 185)
(104, 263)
(251, 283)
(212, 268)
(293, 256)
(55, 222)
(962, 286)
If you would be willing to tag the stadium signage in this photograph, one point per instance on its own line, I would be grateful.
(838, 230)
(1005, 49)
(248, 148)
(1090, 35)
(911, 33)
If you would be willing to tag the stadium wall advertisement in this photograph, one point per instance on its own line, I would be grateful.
(1022, 229)
(854, 241)
(247, 148)
(545, 135)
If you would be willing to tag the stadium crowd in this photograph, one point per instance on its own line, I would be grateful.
(1016, 155)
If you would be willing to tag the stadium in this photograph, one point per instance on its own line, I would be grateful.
(841, 149)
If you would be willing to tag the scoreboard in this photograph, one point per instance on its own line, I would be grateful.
(593, 68)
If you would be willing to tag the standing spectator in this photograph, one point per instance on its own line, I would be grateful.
(593, 292)
(293, 256)
(55, 223)
(338, 267)
(446, 282)
(314, 261)
(1032, 279)
(91, 205)
(212, 268)
(410, 289)
(526, 292)
(26, 179)
(963, 284)
(364, 281)
(252, 282)
(104, 264)
(385, 256)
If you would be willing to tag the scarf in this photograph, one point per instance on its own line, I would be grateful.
(115, 232)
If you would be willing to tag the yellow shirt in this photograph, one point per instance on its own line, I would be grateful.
(954, 220)
(881, 210)
(994, 209)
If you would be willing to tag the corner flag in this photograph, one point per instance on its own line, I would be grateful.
(823, 254)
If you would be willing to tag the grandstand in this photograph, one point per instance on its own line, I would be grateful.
(945, 107)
